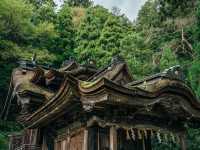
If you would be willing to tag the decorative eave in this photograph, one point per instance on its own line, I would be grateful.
(55, 107)
(53, 79)
(27, 93)
(174, 93)
(69, 65)
(174, 86)
(38, 77)
(81, 89)
(111, 72)
(104, 92)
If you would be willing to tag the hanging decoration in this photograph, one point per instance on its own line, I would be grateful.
(173, 138)
(159, 137)
(127, 134)
(178, 139)
(151, 132)
(145, 133)
(139, 134)
(166, 137)
(133, 135)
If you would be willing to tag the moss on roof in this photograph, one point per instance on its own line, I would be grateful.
(28, 86)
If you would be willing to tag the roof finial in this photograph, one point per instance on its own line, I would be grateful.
(68, 61)
(175, 72)
(117, 59)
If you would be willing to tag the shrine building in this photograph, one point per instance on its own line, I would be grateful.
(81, 107)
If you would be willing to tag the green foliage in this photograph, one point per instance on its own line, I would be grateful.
(15, 16)
(194, 76)
(66, 41)
(5, 129)
(83, 3)
(8, 57)
(170, 145)
(193, 138)
(102, 35)
(89, 32)
(149, 15)
(137, 54)
(3, 142)
(45, 35)
(173, 8)
(109, 41)
(168, 59)
(45, 13)
(39, 3)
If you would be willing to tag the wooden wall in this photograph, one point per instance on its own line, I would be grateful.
(97, 138)
(72, 142)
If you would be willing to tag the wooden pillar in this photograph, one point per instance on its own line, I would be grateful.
(113, 138)
(143, 144)
(85, 140)
(10, 142)
(148, 141)
(35, 136)
(183, 142)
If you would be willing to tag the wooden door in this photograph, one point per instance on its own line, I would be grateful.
(98, 138)
(70, 142)
(76, 141)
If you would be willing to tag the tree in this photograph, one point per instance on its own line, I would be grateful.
(89, 33)
(83, 3)
(148, 15)
(194, 76)
(45, 36)
(45, 13)
(137, 54)
(65, 28)
(116, 11)
(174, 8)
(168, 59)
(39, 3)
(110, 39)
(15, 24)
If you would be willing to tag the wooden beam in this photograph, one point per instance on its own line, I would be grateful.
(85, 140)
(113, 138)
